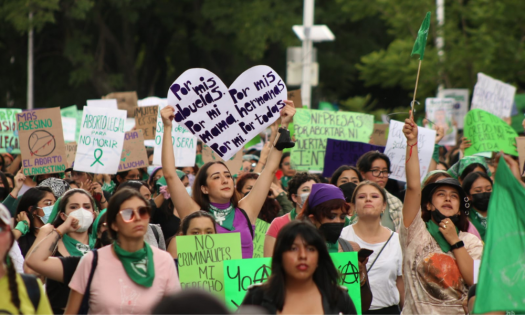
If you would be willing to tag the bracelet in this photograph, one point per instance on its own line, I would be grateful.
(60, 235)
(457, 245)
(411, 147)
(23, 227)
(103, 201)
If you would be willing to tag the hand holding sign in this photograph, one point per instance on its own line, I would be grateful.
(167, 114)
(410, 130)
(287, 114)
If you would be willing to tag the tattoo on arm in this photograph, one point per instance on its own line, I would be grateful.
(55, 242)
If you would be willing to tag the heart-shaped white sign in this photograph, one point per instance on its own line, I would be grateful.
(227, 118)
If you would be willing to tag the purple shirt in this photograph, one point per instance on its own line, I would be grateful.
(240, 225)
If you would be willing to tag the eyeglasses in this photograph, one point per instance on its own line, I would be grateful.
(380, 173)
(128, 215)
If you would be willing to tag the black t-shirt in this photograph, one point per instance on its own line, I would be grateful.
(169, 223)
(25, 242)
(58, 292)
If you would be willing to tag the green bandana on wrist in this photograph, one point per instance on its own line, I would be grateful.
(74, 247)
(223, 217)
(138, 265)
(23, 227)
(479, 222)
(433, 229)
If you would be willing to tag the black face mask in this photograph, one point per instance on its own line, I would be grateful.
(331, 231)
(481, 201)
(438, 217)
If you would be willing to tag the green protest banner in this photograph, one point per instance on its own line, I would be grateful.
(261, 227)
(201, 260)
(488, 133)
(314, 127)
(8, 132)
(240, 274)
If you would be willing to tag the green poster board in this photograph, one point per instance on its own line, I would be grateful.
(488, 133)
(261, 227)
(8, 133)
(201, 260)
(314, 127)
(240, 274)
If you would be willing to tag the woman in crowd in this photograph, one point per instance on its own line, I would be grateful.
(20, 294)
(129, 276)
(345, 174)
(4, 187)
(155, 175)
(286, 168)
(468, 165)
(384, 265)
(375, 166)
(299, 188)
(33, 211)
(271, 206)
(304, 279)
(434, 240)
(478, 187)
(214, 189)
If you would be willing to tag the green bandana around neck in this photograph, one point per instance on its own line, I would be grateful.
(285, 180)
(74, 247)
(293, 214)
(223, 217)
(433, 229)
(479, 222)
(333, 248)
(138, 265)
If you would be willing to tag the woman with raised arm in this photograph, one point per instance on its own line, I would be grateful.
(438, 252)
(213, 189)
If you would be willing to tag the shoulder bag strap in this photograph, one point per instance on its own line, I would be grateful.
(372, 265)
(345, 245)
(248, 220)
(155, 233)
(84, 307)
(33, 289)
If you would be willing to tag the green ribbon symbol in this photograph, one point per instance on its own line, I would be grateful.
(97, 158)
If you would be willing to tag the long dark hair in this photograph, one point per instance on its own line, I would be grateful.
(114, 207)
(270, 208)
(7, 190)
(11, 277)
(340, 170)
(471, 178)
(30, 200)
(326, 276)
(64, 201)
(185, 223)
(203, 200)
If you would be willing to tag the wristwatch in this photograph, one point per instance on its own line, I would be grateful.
(457, 245)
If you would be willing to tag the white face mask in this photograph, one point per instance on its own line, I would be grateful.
(84, 217)
(302, 199)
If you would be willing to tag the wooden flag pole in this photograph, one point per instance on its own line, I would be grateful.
(415, 89)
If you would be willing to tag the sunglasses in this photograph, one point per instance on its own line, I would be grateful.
(128, 215)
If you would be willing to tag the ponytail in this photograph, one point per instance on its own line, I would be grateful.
(13, 285)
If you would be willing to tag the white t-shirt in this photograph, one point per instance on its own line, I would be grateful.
(386, 269)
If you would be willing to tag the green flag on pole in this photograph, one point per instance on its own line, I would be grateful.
(421, 41)
(501, 284)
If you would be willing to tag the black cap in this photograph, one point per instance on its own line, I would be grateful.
(426, 195)
(348, 190)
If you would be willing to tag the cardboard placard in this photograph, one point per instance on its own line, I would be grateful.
(227, 118)
(104, 104)
(341, 152)
(201, 260)
(520, 143)
(71, 152)
(42, 141)
(379, 135)
(488, 133)
(234, 164)
(125, 100)
(261, 227)
(440, 112)
(146, 120)
(134, 153)
(396, 149)
(8, 132)
(461, 103)
(493, 96)
(295, 96)
(100, 141)
(314, 127)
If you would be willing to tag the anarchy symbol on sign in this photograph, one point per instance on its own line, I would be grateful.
(262, 274)
(349, 273)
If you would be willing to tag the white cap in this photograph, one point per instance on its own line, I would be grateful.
(5, 215)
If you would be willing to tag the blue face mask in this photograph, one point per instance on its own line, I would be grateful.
(47, 212)
(188, 189)
(151, 168)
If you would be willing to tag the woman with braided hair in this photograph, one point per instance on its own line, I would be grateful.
(21, 294)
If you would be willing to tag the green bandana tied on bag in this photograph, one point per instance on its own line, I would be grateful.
(223, 217)
(138, 265)
(433, 229)
(479, 222)
(74, 247)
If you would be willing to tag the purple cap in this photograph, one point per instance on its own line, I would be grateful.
(324, 192)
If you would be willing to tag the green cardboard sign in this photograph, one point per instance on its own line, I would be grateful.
(8, 132)
(314, 127)
(240, 274)
(261, 227)
(201, 260)
(488, 133)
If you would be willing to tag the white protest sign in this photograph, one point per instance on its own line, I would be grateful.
(184, 143)
(149, 101)
(461, 104)
(439, 111)
(227, 118)
(129, 124)
(100, 141)
(396, 149)
(69, 125)
(477, 264)
(493, 96)
(106, 103)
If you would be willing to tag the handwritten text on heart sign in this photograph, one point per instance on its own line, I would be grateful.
(227, 118)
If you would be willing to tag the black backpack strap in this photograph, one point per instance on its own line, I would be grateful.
(84, 307)
(345, 245)
(33, 289)
(248, 220)
(156, 233)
